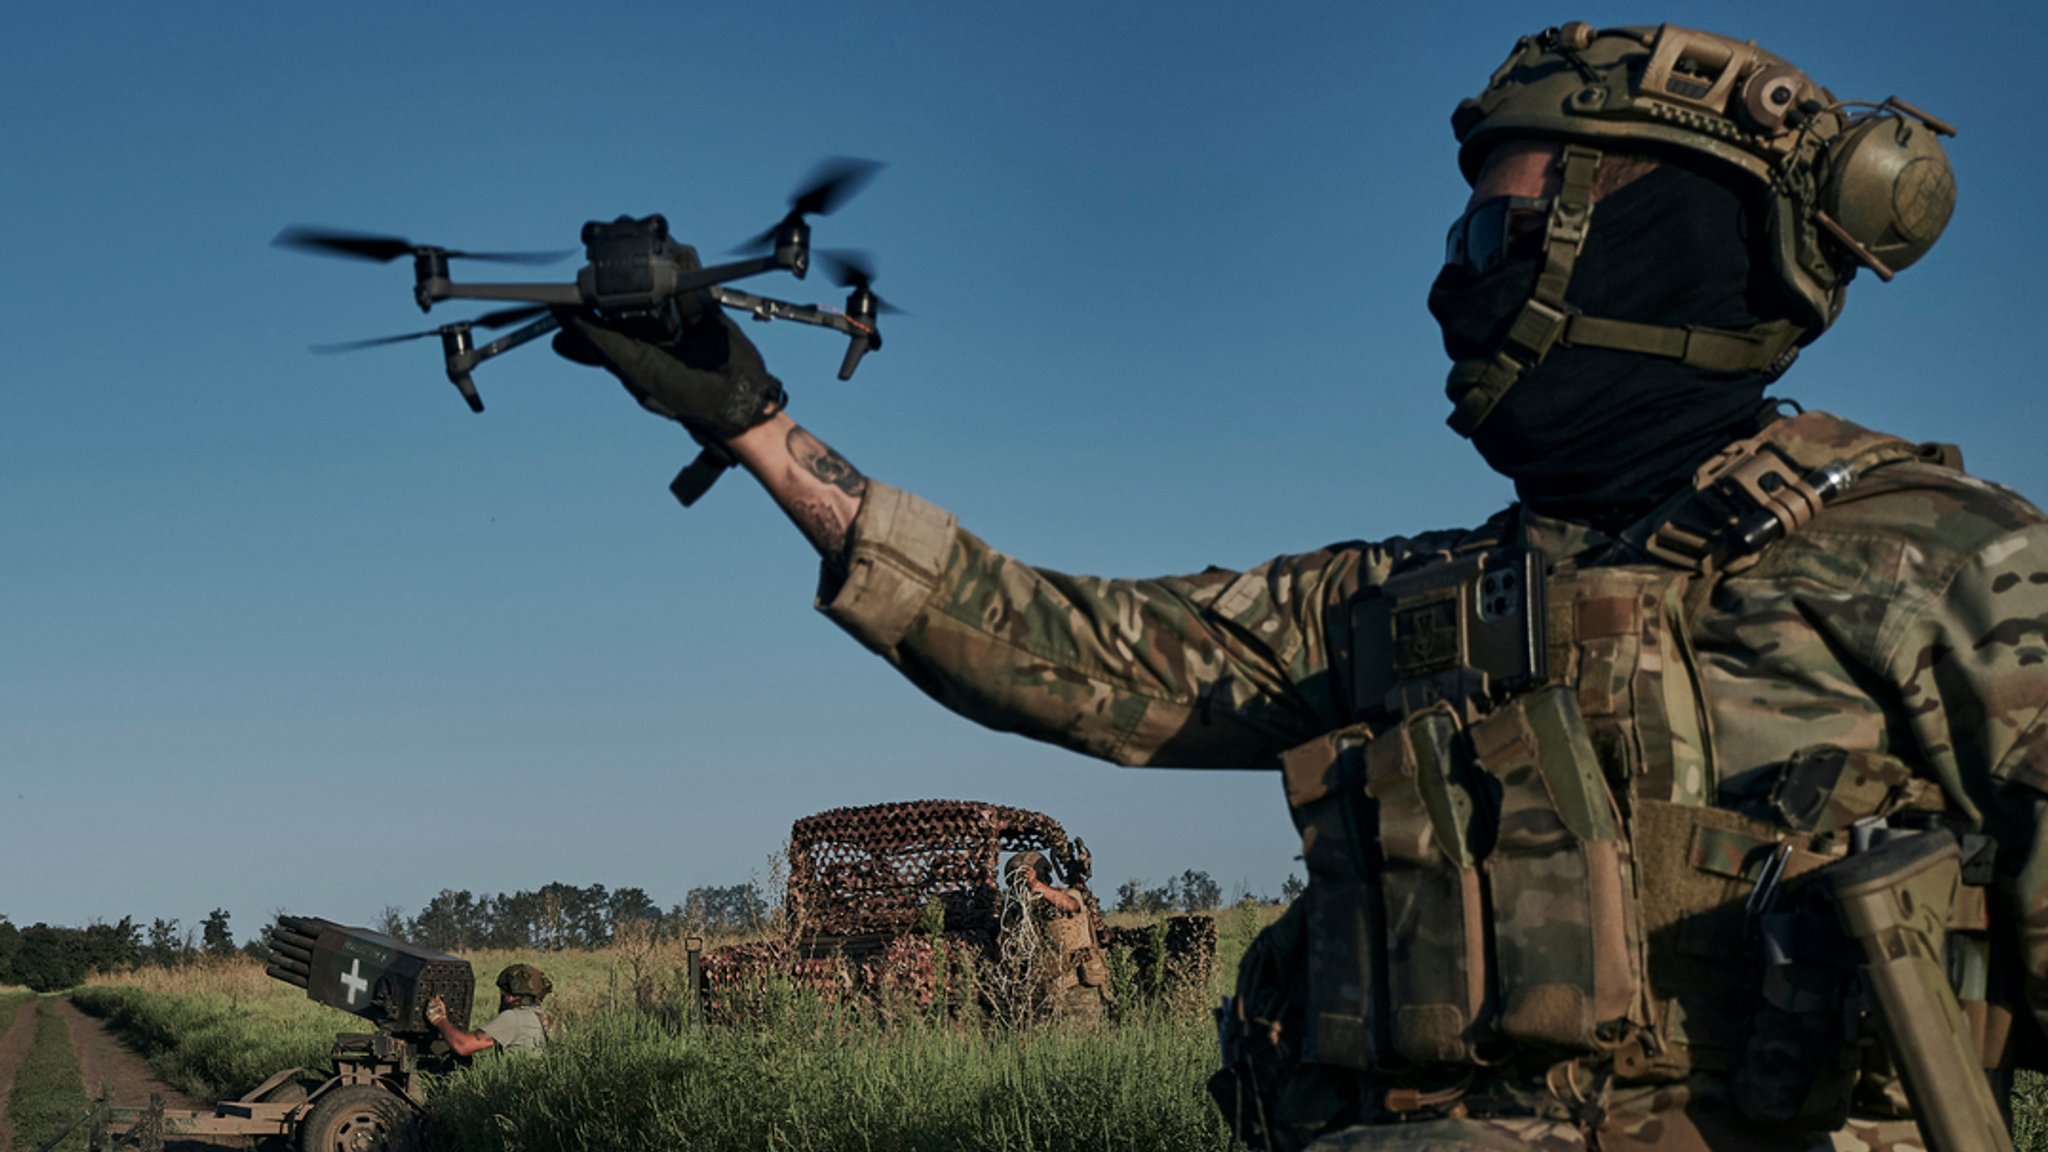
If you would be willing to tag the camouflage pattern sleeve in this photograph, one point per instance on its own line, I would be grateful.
(1971, 662)
(1215, 670)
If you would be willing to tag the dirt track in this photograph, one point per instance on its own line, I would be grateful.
(19, 1033)
(103, 1062)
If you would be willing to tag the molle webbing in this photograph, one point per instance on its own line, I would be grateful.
(1695, 869)
(1617, 634)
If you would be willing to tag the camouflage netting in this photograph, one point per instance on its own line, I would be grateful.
(859, 902)
(1190, 958)
(859, 871)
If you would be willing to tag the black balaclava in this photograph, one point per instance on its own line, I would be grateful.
(1598, 435)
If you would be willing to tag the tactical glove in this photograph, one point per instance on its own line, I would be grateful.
(710, 377)
(437, 1011)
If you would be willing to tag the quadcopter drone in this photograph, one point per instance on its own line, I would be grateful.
(637, 278)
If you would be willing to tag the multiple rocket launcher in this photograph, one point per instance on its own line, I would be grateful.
(368, 974)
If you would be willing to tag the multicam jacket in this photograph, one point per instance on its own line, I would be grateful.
(1909, 618)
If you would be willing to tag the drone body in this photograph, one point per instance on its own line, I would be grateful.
(636, 277)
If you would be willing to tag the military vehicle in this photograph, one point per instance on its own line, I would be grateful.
(369, 1099)
(868, 885)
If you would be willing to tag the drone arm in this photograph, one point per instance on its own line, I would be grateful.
(720, 273)
(540, 327)
(463, 356)
(566, 294)
(862, 338)
(767, 308)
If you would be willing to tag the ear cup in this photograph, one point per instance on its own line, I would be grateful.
(1890, 187)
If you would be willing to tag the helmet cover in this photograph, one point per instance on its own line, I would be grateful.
(1844, 185)
(524, 980)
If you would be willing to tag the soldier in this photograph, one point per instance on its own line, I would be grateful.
(1076, 977)
(1571, 785)
(521, 1023)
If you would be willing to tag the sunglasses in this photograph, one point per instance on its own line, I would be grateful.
(1497, 229)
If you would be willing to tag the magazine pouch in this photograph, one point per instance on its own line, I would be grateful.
(1429, 889)
(1567, 933)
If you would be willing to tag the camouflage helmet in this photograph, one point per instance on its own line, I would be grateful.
(524, 980)
(1029, 862)
(1846, 183)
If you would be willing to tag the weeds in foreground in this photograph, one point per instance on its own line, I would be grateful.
(619, 1083)
(919, 1069)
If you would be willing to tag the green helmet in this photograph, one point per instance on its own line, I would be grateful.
(1031, 862)
(1846, 184)
(524, 980)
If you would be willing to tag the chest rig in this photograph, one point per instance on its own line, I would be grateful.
(1513, 851)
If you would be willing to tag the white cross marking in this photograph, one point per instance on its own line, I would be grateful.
(353, 980)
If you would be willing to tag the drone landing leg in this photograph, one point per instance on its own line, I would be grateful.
(463, 356)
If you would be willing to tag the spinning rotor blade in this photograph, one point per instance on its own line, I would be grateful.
(374, 341)
(384, 249)
(855, 270)
(832, 184)
(502, 318)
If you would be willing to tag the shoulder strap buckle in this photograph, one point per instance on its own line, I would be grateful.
(1750, 494)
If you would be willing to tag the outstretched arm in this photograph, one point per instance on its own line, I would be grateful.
(1220, 669)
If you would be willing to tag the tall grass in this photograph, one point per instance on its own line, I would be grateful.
(622, 1073)
(620, 1083)
(215, 1030)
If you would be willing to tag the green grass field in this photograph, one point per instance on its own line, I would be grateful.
(621, 1078)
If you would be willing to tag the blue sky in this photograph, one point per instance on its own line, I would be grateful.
(288, 631)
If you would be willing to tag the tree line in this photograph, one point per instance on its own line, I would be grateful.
(551, 918)
(558, 916)
(1191, 891)
(48, 958)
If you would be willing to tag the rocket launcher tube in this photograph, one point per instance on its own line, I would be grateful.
(1894, 901)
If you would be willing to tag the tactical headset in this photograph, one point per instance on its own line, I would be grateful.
(1847, 184)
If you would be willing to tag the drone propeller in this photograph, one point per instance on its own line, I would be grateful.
(502, 318)
(856, 270)
(830, 186)
(384, 249)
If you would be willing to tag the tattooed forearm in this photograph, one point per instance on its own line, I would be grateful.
(825, 526)
(817, 457)
(815, 487)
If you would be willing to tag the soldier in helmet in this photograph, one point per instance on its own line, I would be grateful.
(521, 1023)
(1575, 786)
(1076, 977)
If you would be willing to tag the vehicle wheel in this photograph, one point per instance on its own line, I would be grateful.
(359, 1118)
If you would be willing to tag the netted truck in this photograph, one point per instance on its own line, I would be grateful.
(949, 905)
